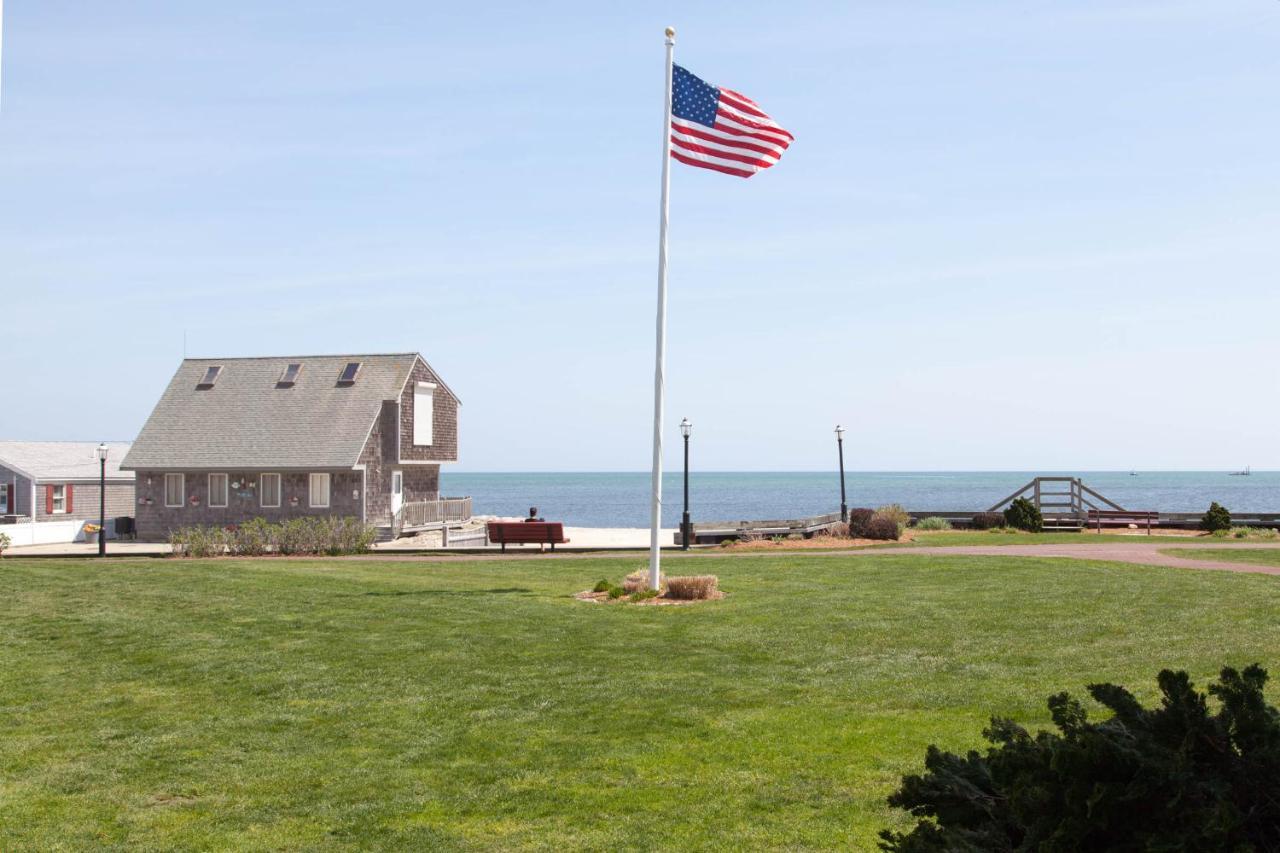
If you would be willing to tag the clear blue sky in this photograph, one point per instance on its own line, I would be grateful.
(1010, 235)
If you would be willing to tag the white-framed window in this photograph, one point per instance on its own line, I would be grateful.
(59, 499)
(424, 396)
(4, 499)
(269, 490)
(175, 489)
(218, 490)
(319, 491)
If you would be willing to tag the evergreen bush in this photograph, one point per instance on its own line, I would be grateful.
(1217, 518)
(1024, 515)
(1176, 777)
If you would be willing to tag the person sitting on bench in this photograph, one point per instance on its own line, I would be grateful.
(533, 514)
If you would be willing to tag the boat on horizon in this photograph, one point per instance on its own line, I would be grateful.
(1245, 473)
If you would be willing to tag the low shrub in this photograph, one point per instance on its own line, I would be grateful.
(1217, 518)
(933, 522)
(5, 542)
(616, 592)
(644, 594)
(309, 536)
(1176, 776)
(692, 587)
(1248, 533)
(883, 528)
(1024, 515)
(199, 541)
(602, 585)
(253, 538)
(858, 521)
(988, 520)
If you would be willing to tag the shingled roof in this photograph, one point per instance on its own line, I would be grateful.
(60, 461)
(247, 419)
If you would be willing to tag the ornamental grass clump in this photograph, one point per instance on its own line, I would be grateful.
(4, 543)
(933, 522)
(635, 582)
(692, 587)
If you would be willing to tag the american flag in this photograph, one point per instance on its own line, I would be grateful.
(717, 128)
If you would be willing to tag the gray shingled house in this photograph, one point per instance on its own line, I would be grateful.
(234, 439)
(58, 481)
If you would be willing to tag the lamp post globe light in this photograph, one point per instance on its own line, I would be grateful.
(844, 506)
(102, 499)
(686, 529)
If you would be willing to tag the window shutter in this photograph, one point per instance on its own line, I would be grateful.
(70, 506)
(48, 500)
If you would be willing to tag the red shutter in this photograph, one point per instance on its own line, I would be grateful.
(70, 507)
(48, 500)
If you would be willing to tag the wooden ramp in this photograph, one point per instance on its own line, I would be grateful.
(1064, 502)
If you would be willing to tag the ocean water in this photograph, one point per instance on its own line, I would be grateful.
(622, 499)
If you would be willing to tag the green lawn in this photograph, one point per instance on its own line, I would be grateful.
(283, 705)
(1256, 556)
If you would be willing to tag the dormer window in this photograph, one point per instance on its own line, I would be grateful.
(349, 373)
(211, 375)
(289, 376)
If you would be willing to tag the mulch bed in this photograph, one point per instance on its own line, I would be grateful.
(661, 600)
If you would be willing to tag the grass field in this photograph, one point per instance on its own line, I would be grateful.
(280, 704)
(1000, 537)
(1255, 556)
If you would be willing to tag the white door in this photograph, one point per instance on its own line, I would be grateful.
(397, 491)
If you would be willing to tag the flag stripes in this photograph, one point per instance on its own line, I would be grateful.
(720, 129)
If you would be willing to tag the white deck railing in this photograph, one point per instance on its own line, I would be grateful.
(425, 514)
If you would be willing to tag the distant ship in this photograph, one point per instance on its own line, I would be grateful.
(1245, 473)
(1133, 473)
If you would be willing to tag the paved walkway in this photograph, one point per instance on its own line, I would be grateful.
(1140, 553)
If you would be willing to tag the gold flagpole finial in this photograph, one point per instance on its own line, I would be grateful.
(671, 32)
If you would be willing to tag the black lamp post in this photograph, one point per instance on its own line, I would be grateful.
(844, 507)
(102, 500)
(686, 529)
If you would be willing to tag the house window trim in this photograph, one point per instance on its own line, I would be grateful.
(182, 489)
(55, 510)
(226, 491)
(417, 419)
(5, 488)
(262, 490)
(328, 490)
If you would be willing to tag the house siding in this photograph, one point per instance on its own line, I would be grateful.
(84, 501)
(421, 482)
(155, 520)
(444, 427)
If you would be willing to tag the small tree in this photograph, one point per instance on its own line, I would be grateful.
(1175, 777)
(1024, 515)
(1217, 518)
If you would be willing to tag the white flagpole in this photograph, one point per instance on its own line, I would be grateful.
(655, 522)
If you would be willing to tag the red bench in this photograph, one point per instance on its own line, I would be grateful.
(1099, 518)
(527, 532)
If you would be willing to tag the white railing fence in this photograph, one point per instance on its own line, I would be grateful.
(427, 514)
